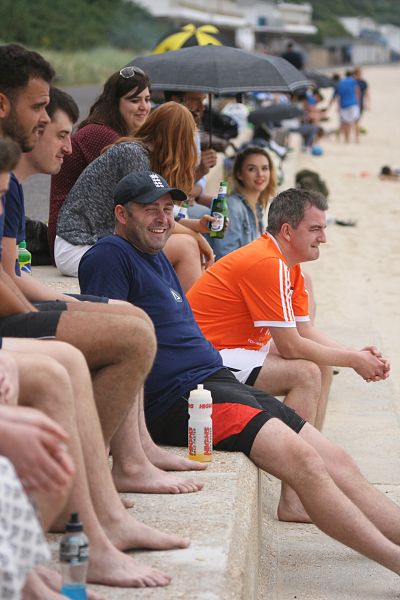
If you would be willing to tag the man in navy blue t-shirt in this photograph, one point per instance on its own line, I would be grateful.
(131, 265)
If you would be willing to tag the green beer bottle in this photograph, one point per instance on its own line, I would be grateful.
(219, 211)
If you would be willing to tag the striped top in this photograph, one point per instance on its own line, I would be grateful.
(245, 293)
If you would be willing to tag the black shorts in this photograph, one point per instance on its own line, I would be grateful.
(42, 324)
(38, 325)
(239, 412)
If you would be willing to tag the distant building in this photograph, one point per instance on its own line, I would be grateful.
(224, 14)
(250, 24)
(356, 51)
(274, 23)
(385, 35)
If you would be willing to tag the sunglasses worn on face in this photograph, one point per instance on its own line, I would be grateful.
(128, 72)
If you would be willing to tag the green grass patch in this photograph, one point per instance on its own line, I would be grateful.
(87, 66)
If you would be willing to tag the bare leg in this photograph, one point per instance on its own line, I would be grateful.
(160, 457)
(326, 381)
(293, 458)
(119, 350)
(75, 405)
(184, 255)
(133, 471)
(300, 382)
(379, 509)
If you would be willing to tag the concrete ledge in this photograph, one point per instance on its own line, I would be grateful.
(52, 277)
(223, 522)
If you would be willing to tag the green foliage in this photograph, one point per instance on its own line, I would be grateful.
(77, 24)
(86, 66)
(326, 13)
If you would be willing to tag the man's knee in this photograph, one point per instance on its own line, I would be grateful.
(310, 374)
(141, 341)
(308, 465)
(43, 378)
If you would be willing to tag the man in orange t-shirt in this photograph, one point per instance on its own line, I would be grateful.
(257, 293)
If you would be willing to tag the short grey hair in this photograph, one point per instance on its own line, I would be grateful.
(289, 206)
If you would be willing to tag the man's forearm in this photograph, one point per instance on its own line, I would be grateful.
(36, 291)
(307, 330)
(292, 345)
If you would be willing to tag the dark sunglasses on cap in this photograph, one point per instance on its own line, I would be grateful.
(128, 72)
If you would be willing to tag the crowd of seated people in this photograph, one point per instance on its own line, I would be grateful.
(79, 373)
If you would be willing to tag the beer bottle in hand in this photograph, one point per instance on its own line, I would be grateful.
(219, 211)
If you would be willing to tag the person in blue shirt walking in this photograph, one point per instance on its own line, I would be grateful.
(347, 93)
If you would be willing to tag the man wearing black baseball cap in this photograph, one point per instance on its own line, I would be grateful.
(144, 210)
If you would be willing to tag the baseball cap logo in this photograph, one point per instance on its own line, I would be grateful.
(156, 180)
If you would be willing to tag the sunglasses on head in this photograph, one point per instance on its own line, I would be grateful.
(128, 72)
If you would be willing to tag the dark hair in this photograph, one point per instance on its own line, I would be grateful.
(170, 95)
(386, 170)
(60, 100)
(10, 153)
(18, 65)
(289, 207)
(105, 110)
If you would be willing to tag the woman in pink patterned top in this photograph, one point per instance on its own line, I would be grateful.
(121, 108)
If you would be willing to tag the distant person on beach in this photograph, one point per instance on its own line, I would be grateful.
(295, 57)
(347, 94)
(389, 173)
(364, 97)
(333, 494)
(122, 107)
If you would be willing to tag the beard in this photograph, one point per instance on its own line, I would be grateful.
(12, 128)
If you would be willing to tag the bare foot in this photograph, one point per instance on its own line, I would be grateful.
(127, 533)
(36, 589)
(292, 513)
(168, 461)
(148, 479)
(109, 566)
(127, 502)
(53, 581)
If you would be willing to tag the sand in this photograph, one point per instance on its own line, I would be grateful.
(357, 277)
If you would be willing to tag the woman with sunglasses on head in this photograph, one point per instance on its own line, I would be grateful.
(166, 145)
(122, 107)
(254, 178)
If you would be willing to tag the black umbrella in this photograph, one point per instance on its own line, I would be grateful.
(274, 113)
(220, 70)
(319, 79)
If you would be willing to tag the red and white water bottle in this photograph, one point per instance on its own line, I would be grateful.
(200, 437)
